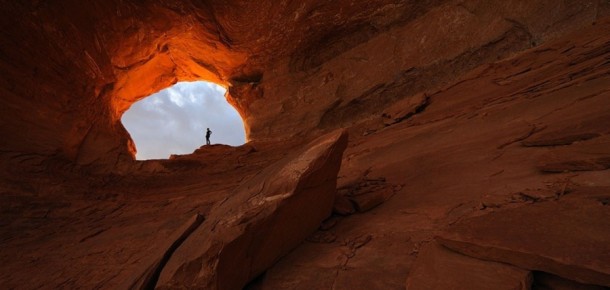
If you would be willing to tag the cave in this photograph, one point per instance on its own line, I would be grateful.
(438, 144)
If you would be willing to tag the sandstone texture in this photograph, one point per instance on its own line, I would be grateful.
(478, 136)
(439, 268)
(541, 243)
(260, 221)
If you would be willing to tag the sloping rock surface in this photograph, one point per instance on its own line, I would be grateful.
(568, 238)
(463, 156)
(438, 268)
(589, 155)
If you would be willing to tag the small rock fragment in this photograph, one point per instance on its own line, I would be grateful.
(343, 206)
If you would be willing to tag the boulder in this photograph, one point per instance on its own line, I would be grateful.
(405, 108)
(370, 200)
(261, 221)
(343, 206)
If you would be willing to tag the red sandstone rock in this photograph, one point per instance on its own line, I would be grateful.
(585, 156)
(565, 132)
(150, 276)
(405, 108)
(568, 238)
(367, 201)
(261, 221)
(437, 267)
(343, 205)
(447, 160)
(497, 74)
(108, 231)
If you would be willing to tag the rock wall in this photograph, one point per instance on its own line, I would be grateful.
(70, 69)
(341, 84)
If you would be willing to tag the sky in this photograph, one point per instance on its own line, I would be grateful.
(174, 120)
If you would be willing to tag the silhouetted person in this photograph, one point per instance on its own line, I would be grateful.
(208, 133)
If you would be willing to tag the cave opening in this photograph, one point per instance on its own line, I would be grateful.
(174, 120)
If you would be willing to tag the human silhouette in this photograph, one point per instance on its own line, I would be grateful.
(208, 133)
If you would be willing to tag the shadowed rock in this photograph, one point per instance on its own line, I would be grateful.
(261, 221)
(559, 139)
(150, 276)
(592, 155)
(568, 238)
(546, 281)
(566, 132)
(437, 267)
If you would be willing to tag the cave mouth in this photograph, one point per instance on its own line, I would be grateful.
(174, 120)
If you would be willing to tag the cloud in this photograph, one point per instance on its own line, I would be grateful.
(175, 97)
(173, 121)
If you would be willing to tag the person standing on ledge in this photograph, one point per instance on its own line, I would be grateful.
(208, 133)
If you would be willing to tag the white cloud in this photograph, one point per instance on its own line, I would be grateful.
(173, 121)
(175, 97)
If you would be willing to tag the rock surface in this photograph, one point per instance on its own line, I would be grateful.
(438, 268)
(466, 145)
(534, 237)
(455, 109)
(75, 230)
(260, 221)
(589, 155)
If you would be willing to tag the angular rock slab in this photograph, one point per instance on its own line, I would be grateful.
(263, 219)
(569, 238)
(438, 268)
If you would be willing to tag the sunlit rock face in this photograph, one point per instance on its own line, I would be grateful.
(461, 115)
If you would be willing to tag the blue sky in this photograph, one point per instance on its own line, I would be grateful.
(173, 121)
